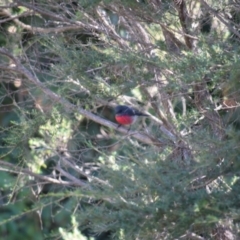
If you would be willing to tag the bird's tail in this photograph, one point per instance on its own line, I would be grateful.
(142, 114)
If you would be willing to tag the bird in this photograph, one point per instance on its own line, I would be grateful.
(125, 115)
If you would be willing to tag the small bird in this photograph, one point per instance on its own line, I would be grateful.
(125, 115)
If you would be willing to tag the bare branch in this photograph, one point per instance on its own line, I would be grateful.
(13, 17)
(183, 16)
(73, 179)
(110, 29)
(15, 169)
(192, 236)
(77, 169)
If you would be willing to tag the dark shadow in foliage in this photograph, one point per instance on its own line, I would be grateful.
(206, 23)
(235, 19)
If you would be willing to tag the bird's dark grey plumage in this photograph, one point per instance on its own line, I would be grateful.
(125, 110)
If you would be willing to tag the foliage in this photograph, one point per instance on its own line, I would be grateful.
(68, 171)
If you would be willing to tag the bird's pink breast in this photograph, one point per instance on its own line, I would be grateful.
(125, 119)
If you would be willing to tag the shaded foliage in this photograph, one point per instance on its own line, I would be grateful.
(76, 175)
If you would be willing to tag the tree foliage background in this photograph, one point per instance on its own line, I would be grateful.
(68, 171)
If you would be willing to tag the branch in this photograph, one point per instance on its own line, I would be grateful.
(15, 169)
(75, 182)
(44, 12)
(182, 12)
(68, 27)
(110, 30)
(68, 24)
(192, 236)
(13, 17)
(77, 169)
